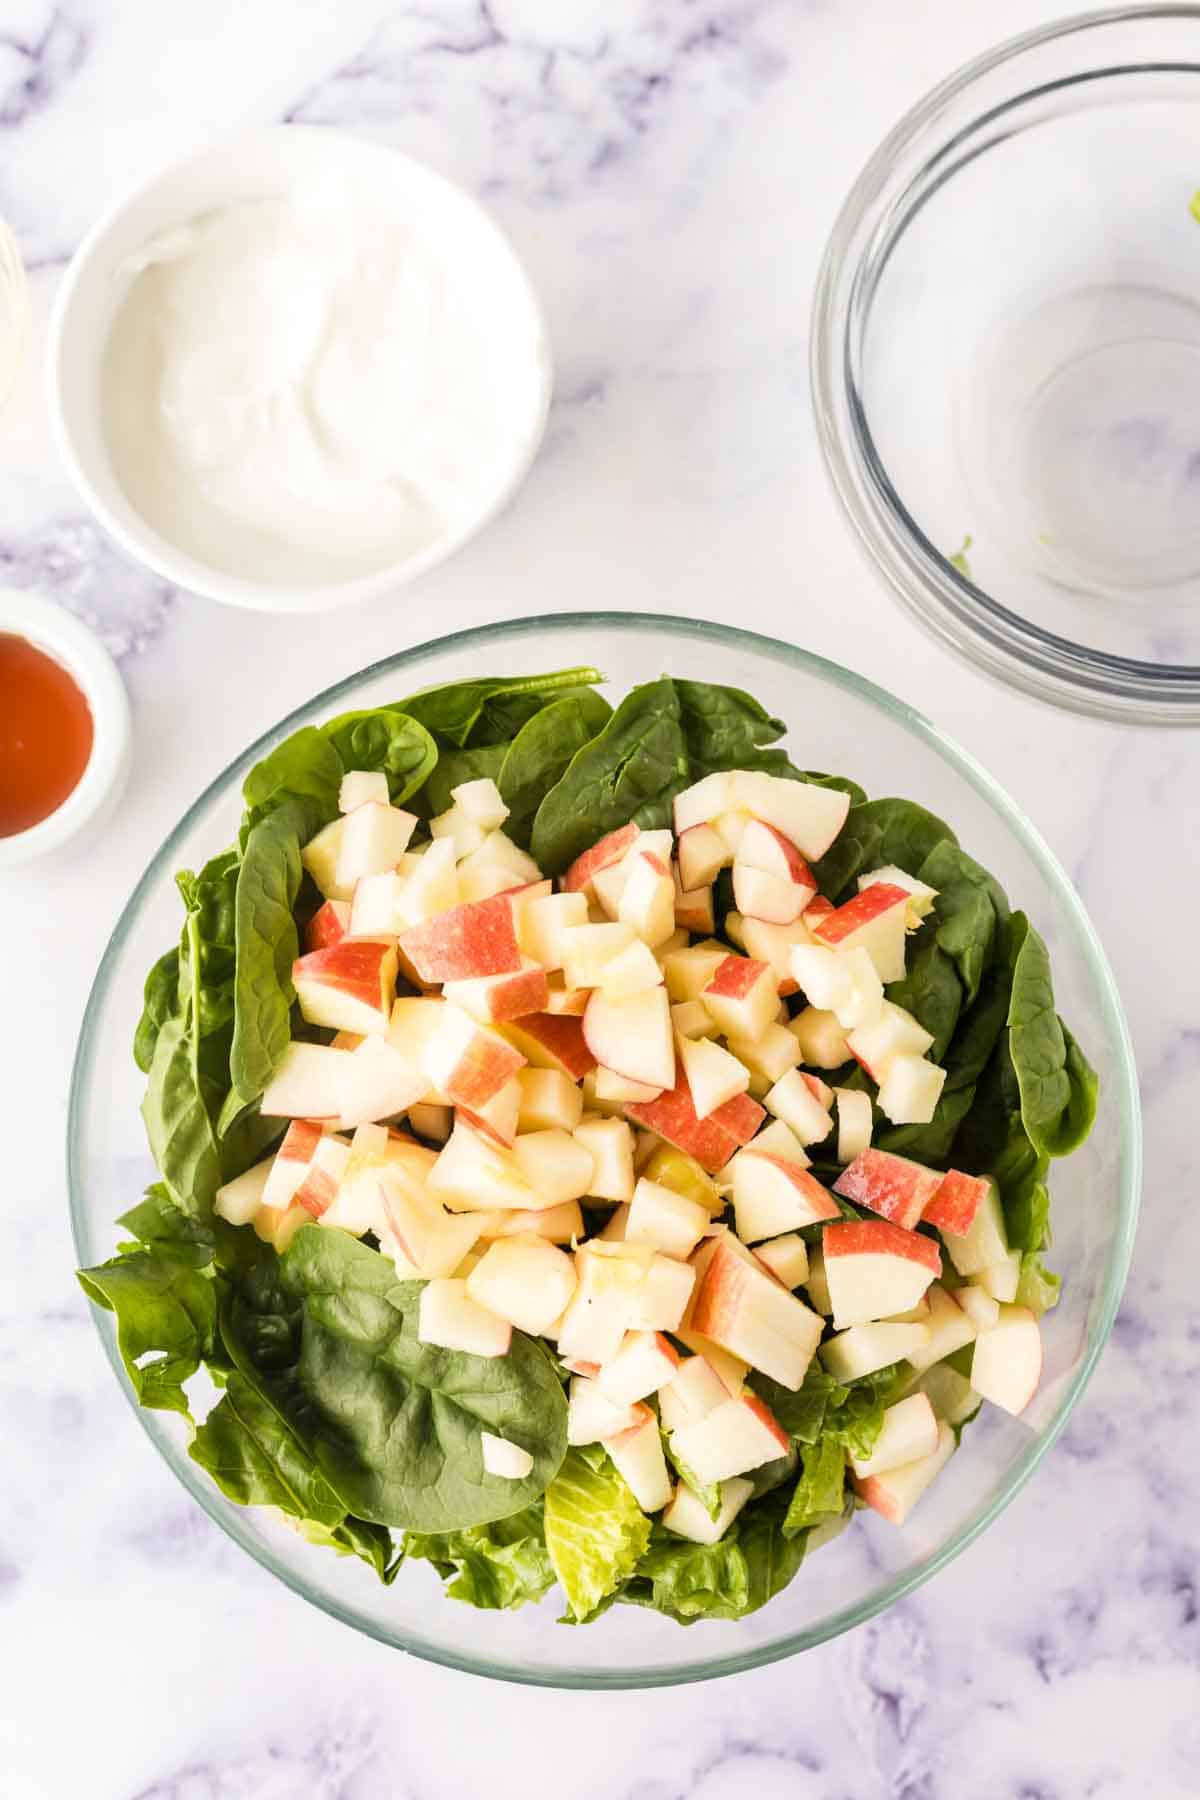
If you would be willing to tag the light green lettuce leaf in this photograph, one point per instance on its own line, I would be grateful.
(595, 1530)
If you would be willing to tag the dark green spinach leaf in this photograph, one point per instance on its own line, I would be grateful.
(166, 1312)
(539, 755)
(386, 741)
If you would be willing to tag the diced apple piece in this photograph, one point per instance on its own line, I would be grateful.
(770, 898)
(876, 1269)
(894, 1033)
(985, 1242)
(555, 1164)
(688, 1517)
(561, 1224)
(909, 1432)
(816, 1286)
(349, 986)
(638, 1456)
(602, 855)
(609, 1143)
(688, 971)
(634, 970)
(239, 1200)
(359, 786)
(1002, 1279)
(666, 1220)
(585, 949)
(895, 1494)
(462, 832)
(787, 1258)
(307, 1084)
(496, 1118)
(647, 903)
(429, 891)
(770, 1055)
(374, 911)
(862, 1349)
(777, 1139)
(949, 1330)
(592, 1416)
(910, 1091)
(772, 1194)
(738, 1435)
(979, 1306)
(702, 854)
(483, 881)
(492, 998)
(855, 1121)
(480, 801)
(291, 1160)
(467, 1062)
(607, 887)
(742, 1308)
(320, 857)
(742, 996)
(762, 847)
(823, 1043)
(1007, 1364)
(375, 1152)
(375, 838)
(955, 1203)
(675, 1169)
(951, 1394)
(471, 1174)
(414, 1022)
(794, 1101)
(499, 851)
(541, 924)
(432, 1241)
(692, 1019)
(549, 1100)
(431, 1120)
(890, 1185)
(808, 816)
(568, 1002)
(328, 925)
(378, 1082)
(713, 1075)
(605, 1302)
(664, 1296)
(920, 896)
(701, 803)
(524, 1280)
(551, 1041)
(695, 1391)
(645, 1362)
(772, 944)
(633, 1036)
(731, 1370)
(450, 1319)
(279, 1228)
(475, 938)
(694, 912)
(508, 1461)
(711, 1141)
(875, 920)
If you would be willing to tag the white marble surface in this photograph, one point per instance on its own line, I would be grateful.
(669, 169)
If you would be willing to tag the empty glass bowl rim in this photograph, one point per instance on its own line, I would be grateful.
(490, 638)
(874, 216)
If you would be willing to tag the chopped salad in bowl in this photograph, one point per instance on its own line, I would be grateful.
(594, 1153)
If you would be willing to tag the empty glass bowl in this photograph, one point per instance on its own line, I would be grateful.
(839, 722)
(1006, 362)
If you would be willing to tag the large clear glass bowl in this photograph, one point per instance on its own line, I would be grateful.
(1006, 362)
(838, 722)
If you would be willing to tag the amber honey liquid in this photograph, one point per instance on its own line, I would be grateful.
(45, 734)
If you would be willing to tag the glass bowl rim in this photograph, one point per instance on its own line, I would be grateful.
(1126, 1099)
(947, 603)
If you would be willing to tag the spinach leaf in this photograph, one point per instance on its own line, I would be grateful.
(387, 741)
(306, 766)
(1058, 1086)
(453, 768)
(930, 988)
(166, 1317)
(539, 755)
(496, 1567)
(267, 945)
(179, 1108)
(632, 770)
(726, 728)
(934, 1142)
(821, 1489)
(157, 1222)
(490, 711)
(971, 910)
(160, 1002)
(878, 833)
(979, 1029)
(595, 1530)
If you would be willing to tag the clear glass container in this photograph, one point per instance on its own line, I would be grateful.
(839, 722)
(1006, 362)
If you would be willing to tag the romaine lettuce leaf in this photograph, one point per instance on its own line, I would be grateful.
(499, 1566)
(595, 1530)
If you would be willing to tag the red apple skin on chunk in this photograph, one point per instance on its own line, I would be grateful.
(712, 1141)
(875, 1269)
(494, 998)
(751, 1314)
(602, 855)
(842, 922)
(348, 986)
(476, 938)
(957, 1200)
(742, 995)
(552, 1041)
(890, 1185)
(328, 925)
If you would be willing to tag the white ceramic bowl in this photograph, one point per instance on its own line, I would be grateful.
(99, 788)
(257, 166)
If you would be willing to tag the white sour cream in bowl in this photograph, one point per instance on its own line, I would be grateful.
(297, 371)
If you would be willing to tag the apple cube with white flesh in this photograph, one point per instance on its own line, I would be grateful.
(375, 909)
(692, 1019)
(508, 1461)
(694, 911)
(688, 1517)
(328, 925)
(772, 944)
(320, 857)
(378, 1083)
(688, 972)
(471, 1174)
(374, 1150)
(432, 1241)
(647, 903)
(702, 854)
(239, 1200)
(985, 1242)
(592, 1416)
(555, 1165)
(607, 887)
(375, 838)
(603, 1305)
(568, 1002)
(875, 1269)
(762, 847)
(524, 1280)
(541, 924)
(823, 1042)
(695, 1391)
(497, 1118)
(279, 1228)
(749, 1313)
(608, 851)
(1002, 1279)
(414, 1023)
(490, 998)
(862, 1349)
(892, 1186)
(307, 1084)
(895, 1494)
(957, 1200)
(467, 1062)
(979, 1306)
(710, 1141)
(675, 1169)
(704, 801)
(359, 786)
(855, 1122)
(875, 920)
(483, 881)
(1007, 1363)
(462, 832)
(430, 889)
(778, 1139)
(450, 1319)
(561, 1224)
(742, 996)
(793, 1100)
(549, 1100)
(645, 1362)
(499, 851)
(713, 1075)
(950, 1394)
(664, 1296)
(920, 896)
(739, 1434)
(770, 1055)
(770, 898)
(480, 801)
(609, 1143)
(349, 986)
(949, 1330)
(666, 1220)
(730, 1369)
(772, 1194)
(550, 1041)
(910, 1091)
(608, 1089)
(638, 1456)
(909, 1432)
(633, 1036)
(894, 1033)
(808, 816)
(633, 970)
(290, 1163)
(585, 949)
(787, 1259)
(816, 1286)
(475, 938)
